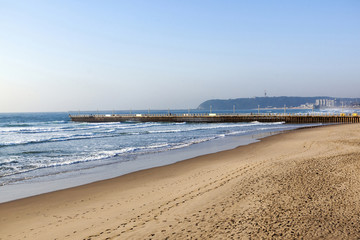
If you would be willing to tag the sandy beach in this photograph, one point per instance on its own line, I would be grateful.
(300, 184)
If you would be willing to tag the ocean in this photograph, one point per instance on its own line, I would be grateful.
(40, 152)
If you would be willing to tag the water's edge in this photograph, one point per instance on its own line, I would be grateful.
(73, 179)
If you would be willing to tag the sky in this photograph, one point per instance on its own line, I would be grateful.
(61, 55)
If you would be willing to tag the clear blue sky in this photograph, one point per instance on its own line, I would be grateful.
(88, 55)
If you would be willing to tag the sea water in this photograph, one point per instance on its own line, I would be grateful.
(38, 148)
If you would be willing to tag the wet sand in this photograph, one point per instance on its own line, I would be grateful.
(300, 184)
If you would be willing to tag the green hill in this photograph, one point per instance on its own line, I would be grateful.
(263, 102)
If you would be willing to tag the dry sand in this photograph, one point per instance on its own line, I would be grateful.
(301, 184)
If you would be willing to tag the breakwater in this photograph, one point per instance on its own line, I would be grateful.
(220, 118)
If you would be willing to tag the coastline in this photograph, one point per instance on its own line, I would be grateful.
(47, 184)
(298, 184)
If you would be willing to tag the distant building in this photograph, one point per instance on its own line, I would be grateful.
(325, 102)
(307, 106)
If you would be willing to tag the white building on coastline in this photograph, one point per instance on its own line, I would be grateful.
(325, 102)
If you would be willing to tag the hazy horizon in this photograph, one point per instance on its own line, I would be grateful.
(108, 110)
(59, 56)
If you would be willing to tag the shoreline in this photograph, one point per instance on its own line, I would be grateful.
(48, 184)
(51, 183)
(296, 184)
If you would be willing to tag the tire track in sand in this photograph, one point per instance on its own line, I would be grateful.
(142, 219)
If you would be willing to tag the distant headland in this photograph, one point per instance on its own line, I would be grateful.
(280, 102)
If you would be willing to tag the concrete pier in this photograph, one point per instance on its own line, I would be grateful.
(220, 118)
